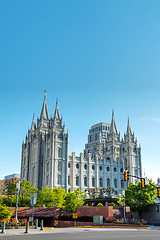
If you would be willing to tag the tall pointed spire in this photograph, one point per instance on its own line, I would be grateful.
(44, 112)
(56, 113)
(33, 126)
(113, 128)
(129, 132)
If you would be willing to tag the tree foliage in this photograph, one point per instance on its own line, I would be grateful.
(74, 199)
(4, 212)
(139, 199)
(27, 190)
(49, 197)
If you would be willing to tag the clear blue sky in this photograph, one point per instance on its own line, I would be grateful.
(93, 56)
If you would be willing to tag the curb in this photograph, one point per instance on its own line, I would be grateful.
(111, 227)
(48, 228)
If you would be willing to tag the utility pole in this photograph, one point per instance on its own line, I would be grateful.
(17, 189)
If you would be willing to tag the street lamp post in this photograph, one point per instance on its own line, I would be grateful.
(33, 202)
(17, 189)
(124, 208)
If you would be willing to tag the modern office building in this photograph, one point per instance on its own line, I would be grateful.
(9, 179)
(45, 160)
(98, 132)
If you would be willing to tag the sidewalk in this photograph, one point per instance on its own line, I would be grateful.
(70, 230)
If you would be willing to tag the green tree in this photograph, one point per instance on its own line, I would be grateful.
(10, 201)
(27, 190)
(1, 200)
(4, 212)
(100, 205)
(139, 199)
(74, 199)
(59, 196)
(49, 197)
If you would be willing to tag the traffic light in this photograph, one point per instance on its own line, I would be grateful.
(142, 182)
(126, 177)
(158, 192)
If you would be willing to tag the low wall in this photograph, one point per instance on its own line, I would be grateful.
(118, 212)
(152, 216)
(63, 224)
(106, 212)
(95, 211)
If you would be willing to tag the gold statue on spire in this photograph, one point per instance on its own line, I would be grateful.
(45, 93)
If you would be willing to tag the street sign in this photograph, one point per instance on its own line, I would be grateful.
(147, 181)
(33, 200)
(18, 185)
(123, 193)
(75, 215)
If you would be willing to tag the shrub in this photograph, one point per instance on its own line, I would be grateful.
(5, 213)
(100, 205)
(110, 220)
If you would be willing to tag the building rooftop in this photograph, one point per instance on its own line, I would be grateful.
(12, 176)
(99, 124)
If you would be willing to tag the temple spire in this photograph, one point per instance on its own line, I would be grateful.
(113, 128)
(56, 113)
(33, 126)
(44, 112)
(129, 132)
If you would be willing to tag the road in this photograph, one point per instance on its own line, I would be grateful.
(84, 233)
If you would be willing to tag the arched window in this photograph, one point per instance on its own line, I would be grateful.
(47, 180)
(85, 181)
(59, 166)
(122, 184)
(136, 173)
(93, 182)
(59, 152)
(48, 151)
(108, 182)
(69, 180)
(125, 164)
(115, 183)
(77, 181)
(108, 160)
(24, 172)
(85, 166)
(101, 182)
(47, 166)
(59, 180)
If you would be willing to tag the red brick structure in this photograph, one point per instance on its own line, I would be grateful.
(49, 215)
(52, 215)
(9, 181)
(95, 211)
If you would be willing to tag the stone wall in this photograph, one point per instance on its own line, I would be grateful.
(95, 211)
(118, 212)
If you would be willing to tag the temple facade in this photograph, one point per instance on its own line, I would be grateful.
(45, 161)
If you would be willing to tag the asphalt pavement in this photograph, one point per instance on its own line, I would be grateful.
(83, 234)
